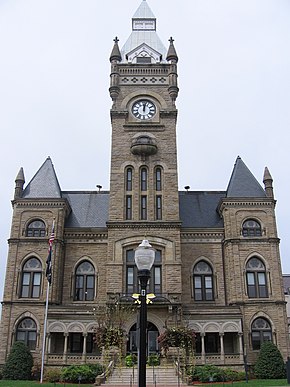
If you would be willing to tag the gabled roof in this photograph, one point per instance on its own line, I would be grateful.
(243, 183)
(44, 184)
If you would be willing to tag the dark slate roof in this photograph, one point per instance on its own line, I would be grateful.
(88, 209)
(198, 209)
(243, 184)
(286, 283)
(44, 183)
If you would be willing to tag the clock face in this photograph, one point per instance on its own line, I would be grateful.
(143, 109)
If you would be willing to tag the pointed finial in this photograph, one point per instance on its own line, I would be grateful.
(115, 54)
(19, 183)
(268, 183)
(171, 54)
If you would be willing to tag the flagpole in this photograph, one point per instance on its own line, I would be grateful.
(48, 276)
(44, 333)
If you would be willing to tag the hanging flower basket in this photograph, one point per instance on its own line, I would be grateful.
(176, 340)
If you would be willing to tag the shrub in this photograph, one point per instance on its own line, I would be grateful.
(182, 337)
(109, 337)
(19, 363)
(211, 373)
(53, 375)
(153, 360)
(131, 360)
(270, 364)
(84, 373)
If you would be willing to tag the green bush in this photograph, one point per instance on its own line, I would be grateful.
(19, 363)
(53, 375)
(153, 360)
(131, 360)
(270, 363)
(211, 373)
(84, 373)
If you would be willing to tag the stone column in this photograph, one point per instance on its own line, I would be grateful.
(65, 347)
(202, 335)
(222, 347)
(84, 347)
(241, 346)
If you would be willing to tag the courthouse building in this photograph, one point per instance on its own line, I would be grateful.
(217, 267)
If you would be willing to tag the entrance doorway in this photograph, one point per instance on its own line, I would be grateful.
(151, 339)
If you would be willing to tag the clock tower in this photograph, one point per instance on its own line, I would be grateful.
(143, 182)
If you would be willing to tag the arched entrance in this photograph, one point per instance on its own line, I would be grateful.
(152, 335)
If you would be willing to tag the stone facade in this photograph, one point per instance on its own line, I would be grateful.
(217, 267)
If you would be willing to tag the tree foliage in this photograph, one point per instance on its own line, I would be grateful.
(19, 363)
(270, 363)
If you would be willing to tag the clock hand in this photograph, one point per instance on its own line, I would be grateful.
(144, 107)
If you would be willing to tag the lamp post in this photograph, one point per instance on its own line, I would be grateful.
(144, 259)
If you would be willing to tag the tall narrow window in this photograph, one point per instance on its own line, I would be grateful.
(158, 207)
(261, 332)
(143, 179)
(26, 332)
(31, 278)
(158, 181)
(129, 177)
(251, 228)
(36, 228)
(128, 207)
(155, 283)
(256, 279)
(203, 282)
(85, 282)
(143, 207)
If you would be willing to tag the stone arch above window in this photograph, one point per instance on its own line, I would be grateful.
(26, 331)
(31, 275)
(251, 228)
(85, 281)
(256, 278)
(261, 331)
(203, 282)
(36, 228)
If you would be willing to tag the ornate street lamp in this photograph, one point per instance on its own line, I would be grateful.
(144, 259)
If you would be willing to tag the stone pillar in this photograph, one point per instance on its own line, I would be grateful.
(65, 347)
(222, 347)
(47, 345)
(241, 346)
(84, 347)
(202, 335)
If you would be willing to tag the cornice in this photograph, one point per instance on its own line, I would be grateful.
(202, 235)
(35, 202)
(246, 202)
(247, 240)
(144, 225)
(96, 235)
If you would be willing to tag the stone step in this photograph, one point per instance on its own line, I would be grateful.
(128, 376)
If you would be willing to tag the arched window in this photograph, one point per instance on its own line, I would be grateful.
(158, 179)
(143, 179)
(256, 278)
(31, 278)
(36, 228)
(85, 282)
(129, 178)
(132, 283)
(251, 228)
(261, 331)
(26, 332)
(203, 282)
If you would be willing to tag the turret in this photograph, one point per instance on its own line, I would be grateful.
(173, 59)
(19, 183)
(268, 182)
(115, 58)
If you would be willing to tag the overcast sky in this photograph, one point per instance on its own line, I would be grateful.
(234, 79)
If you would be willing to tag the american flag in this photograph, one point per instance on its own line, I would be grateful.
(48, 261)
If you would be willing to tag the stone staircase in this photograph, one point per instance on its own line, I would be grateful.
(155, 376)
